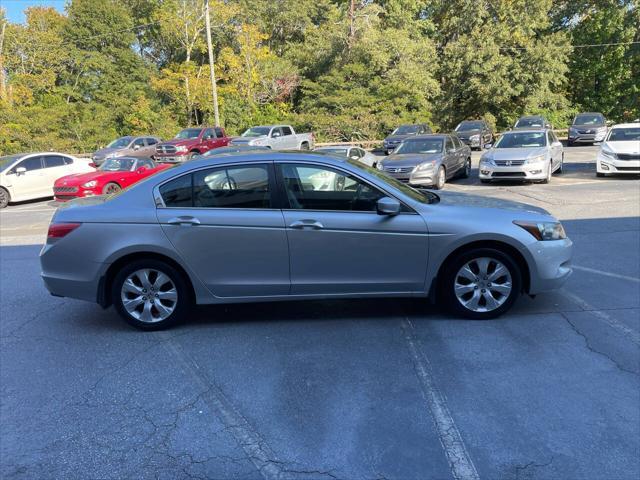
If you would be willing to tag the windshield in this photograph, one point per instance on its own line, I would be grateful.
(631, 134)
(431, 145)
(421, 196)
(5, 162)
(117, 165)
(333, 151)
(189, 133)
(406, 130)
(120, 142)
(469, 125)
(522, 140)
(589, 119)
(256, 132)
(530, 122)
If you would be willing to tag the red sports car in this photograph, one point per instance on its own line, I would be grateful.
(112, 176)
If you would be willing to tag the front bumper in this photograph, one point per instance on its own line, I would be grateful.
(475, 143)
(177, 157)
(606, 164)
(526, 172)
(591, 137)
(412, 177)
(551, 265)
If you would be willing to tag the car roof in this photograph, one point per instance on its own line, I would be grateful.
(530, 116)
(425, 136)
(268, 156)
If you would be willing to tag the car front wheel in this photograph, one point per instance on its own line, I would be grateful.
(111, 188)
(481, 284)
(441, 178)
(150, 295)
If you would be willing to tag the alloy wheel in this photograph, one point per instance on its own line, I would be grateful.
(441, 179)
(483, 284)
(149, 295)
(4, 198)
(111, 188)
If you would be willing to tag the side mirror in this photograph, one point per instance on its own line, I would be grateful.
(21, 170)
(275, 134)
(451, 150)
(388, 206)
(136, 147)
(487, 146)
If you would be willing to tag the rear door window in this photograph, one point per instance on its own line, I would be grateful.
(54, 161)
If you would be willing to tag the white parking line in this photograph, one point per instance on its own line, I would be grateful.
(49, 210)
(612, 322)
(250, 441)
(459, 460)
(606, 274)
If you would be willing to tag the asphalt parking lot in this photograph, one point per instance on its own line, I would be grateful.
(386, 389)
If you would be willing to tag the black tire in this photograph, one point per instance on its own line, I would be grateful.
(183, 303)
(465, 171)
(450, 270)
(485, 181)
(111, 188)
(600, 175)
(561, 167)
(440, 179)
(549, 174)
(5, 198)
(304, 146)
(192, 155)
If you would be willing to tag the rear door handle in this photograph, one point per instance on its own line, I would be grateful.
(184, 220)
(313, 224)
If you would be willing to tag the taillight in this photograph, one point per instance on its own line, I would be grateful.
(59, 230)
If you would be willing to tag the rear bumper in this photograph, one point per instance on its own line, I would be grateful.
(551, 264)
(70, 277)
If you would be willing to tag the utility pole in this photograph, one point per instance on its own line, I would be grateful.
(3, 85)
(212, 71)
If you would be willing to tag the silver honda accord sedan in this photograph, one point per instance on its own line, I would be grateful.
(262, 226)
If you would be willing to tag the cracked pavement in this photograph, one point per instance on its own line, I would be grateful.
(331, 390)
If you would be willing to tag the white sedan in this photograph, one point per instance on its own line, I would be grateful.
(32, 175)
(620, 151)
(351, 152)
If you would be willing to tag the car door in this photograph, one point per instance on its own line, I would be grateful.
(150, 146)
(277, 142)
(208, 140)
(556, 148)
(290, 141)
(33, 183)
(220, 138)
(461, 152)
(55, 166)
(450, 158)
(224, 224)
(338, 243)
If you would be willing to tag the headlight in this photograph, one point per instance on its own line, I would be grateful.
(426, 166)
(474, 137)
(539, 158)
(181, 148)
(379, 166)
(608, 153)
(543, 231)
(486, 161)
(90, 184)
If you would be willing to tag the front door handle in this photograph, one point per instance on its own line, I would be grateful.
(184, 220)
(313, 224)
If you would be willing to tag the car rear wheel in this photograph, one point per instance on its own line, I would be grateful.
(5, 198)
(111, 188)
(304, 146)
(441, 178)
(150, 295)
(481, 284)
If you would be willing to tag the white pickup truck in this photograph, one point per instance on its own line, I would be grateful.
(277, 137)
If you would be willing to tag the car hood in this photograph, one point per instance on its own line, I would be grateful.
(477, 201)
(514, 153)
(180, 142)
(81, 178)
(409, 159)
(624, 147)
(104, 152)
(468, 133)
(247, 140)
